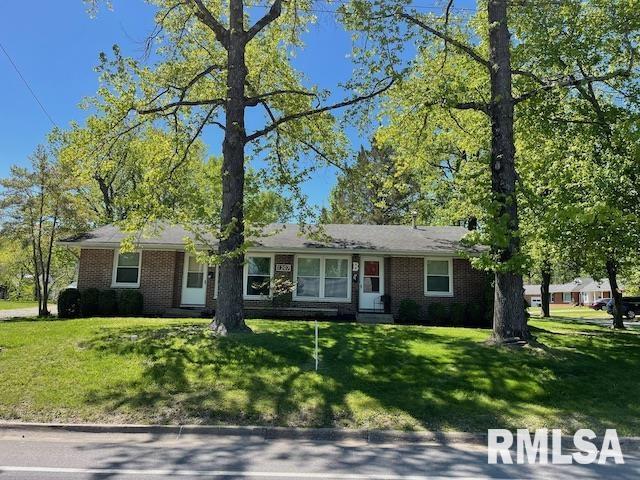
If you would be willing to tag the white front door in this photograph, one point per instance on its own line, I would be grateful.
(371, 283)
(194, 282)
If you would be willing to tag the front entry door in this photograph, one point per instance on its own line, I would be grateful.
(194, 282)
(371, 283)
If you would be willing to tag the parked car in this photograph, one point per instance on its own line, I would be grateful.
(630, 306)
(600, 304)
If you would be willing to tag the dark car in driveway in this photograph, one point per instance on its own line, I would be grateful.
(600, 304)
(630, 307)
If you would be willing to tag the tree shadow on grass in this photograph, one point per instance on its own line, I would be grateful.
(374, 377)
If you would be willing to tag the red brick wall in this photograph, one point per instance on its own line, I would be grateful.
(157, 280)
(161, 282)
(157, 276)
(96, 269)
(407, 282)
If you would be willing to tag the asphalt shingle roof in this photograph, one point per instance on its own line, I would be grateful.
(284, 237)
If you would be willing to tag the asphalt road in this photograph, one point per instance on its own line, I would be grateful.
(68, 455)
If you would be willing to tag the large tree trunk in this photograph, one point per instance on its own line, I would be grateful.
(229, 309)
(544, 288)
(509, 319)
(612, 273)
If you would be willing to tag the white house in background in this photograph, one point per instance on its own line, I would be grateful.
(580, 291)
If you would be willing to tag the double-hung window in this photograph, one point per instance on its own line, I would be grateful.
(258, 276)
(322, 278)
(308, 283)
(336, 278)
(126, 269)
(438, 280)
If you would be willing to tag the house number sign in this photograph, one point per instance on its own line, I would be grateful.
(283, 267)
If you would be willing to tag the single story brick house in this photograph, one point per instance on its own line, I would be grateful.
(355, 269)
(579, 291)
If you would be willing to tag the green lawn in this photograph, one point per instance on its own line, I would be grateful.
(170, 371)
(10, 304)
(570, 312)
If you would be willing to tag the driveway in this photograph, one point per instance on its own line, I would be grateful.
(25, 312)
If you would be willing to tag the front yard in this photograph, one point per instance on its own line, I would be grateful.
(172, 371)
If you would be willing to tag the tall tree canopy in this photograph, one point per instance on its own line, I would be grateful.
(377, 189)
(505, 76)
(217, 60)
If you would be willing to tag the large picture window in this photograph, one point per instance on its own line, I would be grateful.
(126, 269)
(438, 280)
(322, 278)
(258, 276)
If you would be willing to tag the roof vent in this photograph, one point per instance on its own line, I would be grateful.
(414, 218)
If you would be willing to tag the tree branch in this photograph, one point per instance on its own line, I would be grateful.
(316, 111)
(216, 102)
(571, 82)
(274, 12)
(257, 99)
(206, 17)
(447, 38)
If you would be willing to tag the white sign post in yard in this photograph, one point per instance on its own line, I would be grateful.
(316, 350)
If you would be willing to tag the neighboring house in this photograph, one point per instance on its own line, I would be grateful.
(355, 270)
(580, 291)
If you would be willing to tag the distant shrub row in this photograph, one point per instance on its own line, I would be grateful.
(472, 314)
(73, 303)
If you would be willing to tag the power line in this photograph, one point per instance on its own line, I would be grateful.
(24, 80)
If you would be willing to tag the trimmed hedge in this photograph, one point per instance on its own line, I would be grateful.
(90, 302)
(69, 303)
(107, 303)
(130, 303)
(409, 311)
(437, 314)
(459, 313)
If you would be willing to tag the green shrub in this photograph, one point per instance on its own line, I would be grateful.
(130, 303)
(89, 306)
(458, 314)
(475, 315)
(409, 311)
(69, 303)
(107, 302)
(437, 313)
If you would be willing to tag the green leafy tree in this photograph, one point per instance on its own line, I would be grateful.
(377, 190)
(587, 133)
(214, 64)
(485, 41)
(16, 268)
(37, 208)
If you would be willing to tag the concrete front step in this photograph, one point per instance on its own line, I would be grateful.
(374, 318)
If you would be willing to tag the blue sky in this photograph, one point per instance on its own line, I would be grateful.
(57, 48)
(56, 44)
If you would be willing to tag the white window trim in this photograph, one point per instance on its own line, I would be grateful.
(426, 273)
(114, 273)
(322, 298)
(246, 275)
